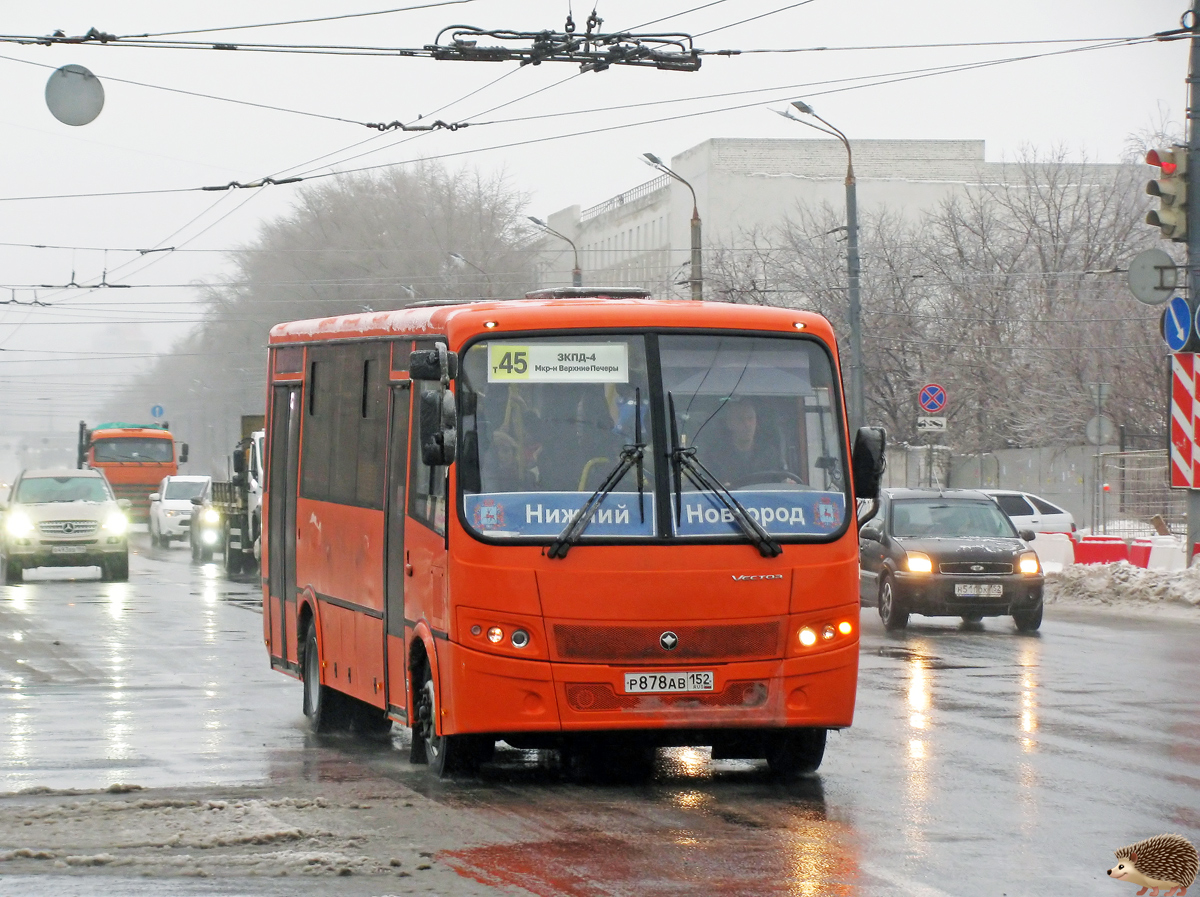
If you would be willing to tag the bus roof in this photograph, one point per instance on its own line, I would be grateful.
(459, 320)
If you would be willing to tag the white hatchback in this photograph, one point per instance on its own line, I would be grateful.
(1028, 511)
(171, 508)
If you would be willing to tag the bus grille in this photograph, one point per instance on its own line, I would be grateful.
(71, 528)
(614, 644)
(599, 696)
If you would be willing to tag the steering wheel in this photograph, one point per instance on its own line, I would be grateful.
(765, 476)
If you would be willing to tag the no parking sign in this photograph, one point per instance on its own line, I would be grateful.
(932, 398)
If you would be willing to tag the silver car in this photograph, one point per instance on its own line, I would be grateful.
(1029, 511)
(64, 517)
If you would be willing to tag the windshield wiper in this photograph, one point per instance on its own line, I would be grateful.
(632, 456)
(684, 461)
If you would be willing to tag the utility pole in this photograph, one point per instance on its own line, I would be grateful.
(857, 409)
(696, 278)
(1193, 230)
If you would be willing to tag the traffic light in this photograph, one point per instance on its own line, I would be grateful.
(1171, 189)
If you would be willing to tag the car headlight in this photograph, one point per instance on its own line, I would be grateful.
(116, 524)
(18, 524)
(211, 515)
(918, 562)
(1029, 563)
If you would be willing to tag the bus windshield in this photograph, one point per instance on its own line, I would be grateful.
(133, 448)
(545, 421)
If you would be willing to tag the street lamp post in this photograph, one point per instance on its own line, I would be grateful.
(852, 261)
(577, 272)
(697, 278)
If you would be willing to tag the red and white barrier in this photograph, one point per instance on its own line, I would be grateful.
(1056, 550)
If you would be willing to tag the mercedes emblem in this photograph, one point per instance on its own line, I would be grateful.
(68, 527)
(668, 640)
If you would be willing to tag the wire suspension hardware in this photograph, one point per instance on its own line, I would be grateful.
(434, 126)
(261, 182)
(593, 51)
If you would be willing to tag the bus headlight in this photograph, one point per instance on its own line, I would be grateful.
(1029, 563)
(211, 515)
(919, 562)
(116, 524)
(18, 525)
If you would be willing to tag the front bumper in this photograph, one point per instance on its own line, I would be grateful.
(176, 526)
(497, 694)
(35, 552)
(933, 594)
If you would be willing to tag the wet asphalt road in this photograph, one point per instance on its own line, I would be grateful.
(981, 762)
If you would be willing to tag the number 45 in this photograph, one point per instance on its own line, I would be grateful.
(515, 361)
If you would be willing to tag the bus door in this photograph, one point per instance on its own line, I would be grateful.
(283, 485)
(395, 573)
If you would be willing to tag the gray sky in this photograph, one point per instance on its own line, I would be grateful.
(1087, 100)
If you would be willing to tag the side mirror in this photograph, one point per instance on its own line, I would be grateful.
(869, 461)
(439, 427)
(183, 453)
(871, 535)
(155, 496)
(239, 462)
(197, 502)
(124, 504)
(1027, 534)
(437, 363)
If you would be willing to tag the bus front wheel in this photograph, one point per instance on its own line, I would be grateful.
(446, 755)
(795, 752)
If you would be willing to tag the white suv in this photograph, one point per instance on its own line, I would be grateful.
(171, 508)
(64, 518)
(1029, 511)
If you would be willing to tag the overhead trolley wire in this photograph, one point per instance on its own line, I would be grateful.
(349, 15)
(869, 81)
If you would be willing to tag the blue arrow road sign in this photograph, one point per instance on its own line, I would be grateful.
(932, 398)
(1177, 324)
(157, 411)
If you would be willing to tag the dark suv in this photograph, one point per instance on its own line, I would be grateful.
(949, 552)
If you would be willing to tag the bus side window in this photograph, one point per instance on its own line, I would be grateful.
(427, 485)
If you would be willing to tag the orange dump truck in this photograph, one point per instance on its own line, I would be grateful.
(134, 458)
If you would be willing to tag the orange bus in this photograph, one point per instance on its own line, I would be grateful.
(584, 520)
(133, 457)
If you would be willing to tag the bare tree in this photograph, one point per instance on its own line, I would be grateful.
(351, 244)
(1010, 293)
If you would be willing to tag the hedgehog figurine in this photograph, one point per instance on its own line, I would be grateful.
(1164, 863)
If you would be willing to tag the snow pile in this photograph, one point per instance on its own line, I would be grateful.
(1123, 584)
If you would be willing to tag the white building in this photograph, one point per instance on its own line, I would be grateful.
(642, 237)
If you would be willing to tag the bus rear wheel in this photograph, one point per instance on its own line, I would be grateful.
(322, 705)
(447, 755)
(795, 752)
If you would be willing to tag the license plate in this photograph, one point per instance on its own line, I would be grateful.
(978, 590)
(69, 549)
(641, 683)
